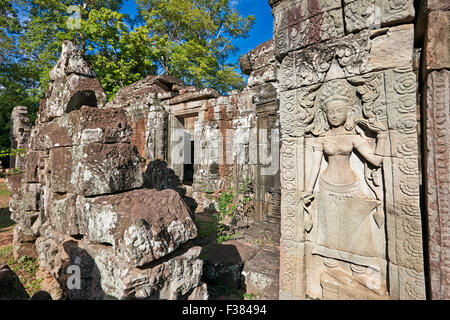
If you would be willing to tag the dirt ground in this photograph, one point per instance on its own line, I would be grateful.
(6, 224)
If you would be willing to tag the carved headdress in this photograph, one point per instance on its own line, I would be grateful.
(333, 90)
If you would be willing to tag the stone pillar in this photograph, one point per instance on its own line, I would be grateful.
(437, 104)
(20, 134)
(350, 200)
(261, 67)
(156, 144)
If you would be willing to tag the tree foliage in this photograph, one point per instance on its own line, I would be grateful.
(189, 39)
(192, 39)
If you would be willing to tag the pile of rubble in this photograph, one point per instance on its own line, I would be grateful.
(80, 204)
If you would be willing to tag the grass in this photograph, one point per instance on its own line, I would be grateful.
(5, 221)
(6, 224)
(221, 291)
(205, 228)
(251, 296)
(4, 191)
(25, 268)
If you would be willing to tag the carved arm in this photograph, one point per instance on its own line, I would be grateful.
(374, 157)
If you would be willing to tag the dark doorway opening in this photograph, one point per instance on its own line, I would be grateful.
(188, 170)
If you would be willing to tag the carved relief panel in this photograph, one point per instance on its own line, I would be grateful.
(351, 226)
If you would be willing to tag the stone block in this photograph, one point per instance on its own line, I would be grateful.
(373, 14)
(261, 274)
(100, 169)
(437, 41)
(224, 263)
(142, 225)
(353, 55)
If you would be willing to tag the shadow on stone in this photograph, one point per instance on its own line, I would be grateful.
(82, 280)
(5, 220)
(160, 177)
(10, 286)
(223, 265)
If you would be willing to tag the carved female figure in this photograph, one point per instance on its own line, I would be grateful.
(346, 223)
(335, 137)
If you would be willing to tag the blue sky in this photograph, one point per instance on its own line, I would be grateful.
(261, 31)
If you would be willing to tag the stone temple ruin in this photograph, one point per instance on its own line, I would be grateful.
(342, 132)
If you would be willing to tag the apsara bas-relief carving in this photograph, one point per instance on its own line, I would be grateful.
(350, 179)
(348, 221)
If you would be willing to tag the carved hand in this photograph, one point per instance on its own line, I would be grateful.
(307, 198)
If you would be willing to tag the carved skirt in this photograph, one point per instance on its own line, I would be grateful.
(341, 191)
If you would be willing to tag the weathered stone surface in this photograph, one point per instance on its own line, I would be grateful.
(156, 134)
(73, 85)
(194, 96)
(261, 274)
(100, 169)
(299, 24)
(80, 127)
(145, 92)
(23, 243)
(75, 92)
(260, 57)
(158, 176)
(20, 129)
(262, 76)
(10, 286)
(224, 263)
(170, 280)
(36, 164)
(142, 225)
(14, 183)
(353, 55)
(437, 41)
(199, 293)
(379, 252)
(438, 178)
(373, 14)
(72, 206)
(265, 93)
(436, 5)
(49, 284)
(62, 213)
(71, 61)
(104, 275)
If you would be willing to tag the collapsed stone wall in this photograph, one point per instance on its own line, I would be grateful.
(169, 119)
(80, 205)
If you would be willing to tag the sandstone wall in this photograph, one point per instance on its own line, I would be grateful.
(231, 136)
(20, 128)
(351, 221)
(80, 206)
(434, 20)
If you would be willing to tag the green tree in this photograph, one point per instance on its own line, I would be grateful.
(189, 39)
(15, 77)
(192, 39)
(119, 56)
(47, 25)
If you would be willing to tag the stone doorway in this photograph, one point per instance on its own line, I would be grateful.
(183, 147)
